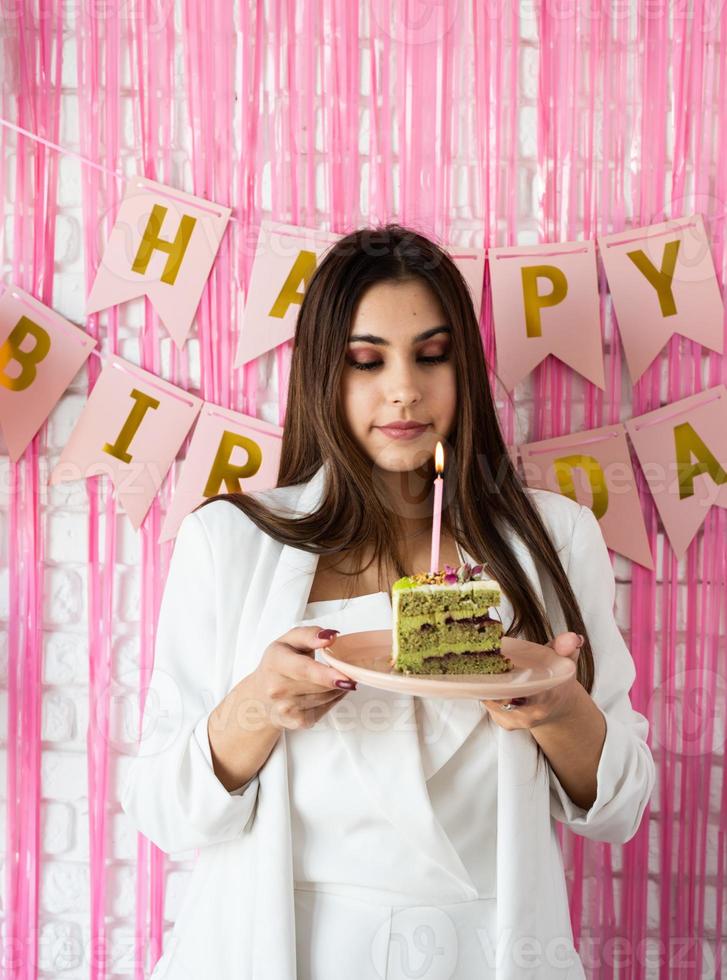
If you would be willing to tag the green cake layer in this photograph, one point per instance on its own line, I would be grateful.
(442, 624)
(473, 663)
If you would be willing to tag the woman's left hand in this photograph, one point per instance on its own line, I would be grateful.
(547, 706)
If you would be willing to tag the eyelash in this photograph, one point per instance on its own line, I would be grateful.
(368, 365)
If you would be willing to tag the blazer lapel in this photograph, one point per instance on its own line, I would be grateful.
(286, 593)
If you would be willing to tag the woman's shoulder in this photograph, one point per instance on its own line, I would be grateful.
(559, 513)
(225, 523)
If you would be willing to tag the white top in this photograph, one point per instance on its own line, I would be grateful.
(349, 846)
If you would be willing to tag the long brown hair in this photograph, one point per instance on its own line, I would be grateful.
(483, 489)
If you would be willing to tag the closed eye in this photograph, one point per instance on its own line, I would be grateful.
(369, 365)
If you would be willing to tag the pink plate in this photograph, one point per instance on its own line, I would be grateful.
(366, 657)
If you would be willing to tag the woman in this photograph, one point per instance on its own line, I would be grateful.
(347, 831)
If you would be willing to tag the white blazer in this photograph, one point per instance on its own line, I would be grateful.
(231, 590)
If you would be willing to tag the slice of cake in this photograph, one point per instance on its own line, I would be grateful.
(442, 623)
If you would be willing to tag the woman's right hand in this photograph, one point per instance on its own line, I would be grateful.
(293, 687)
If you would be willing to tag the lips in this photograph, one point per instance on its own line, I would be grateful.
(396, 433)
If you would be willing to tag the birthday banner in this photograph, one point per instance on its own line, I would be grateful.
(545, 297)
(545, 301)
(134, 423)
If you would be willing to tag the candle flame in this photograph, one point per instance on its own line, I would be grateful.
(439, 458)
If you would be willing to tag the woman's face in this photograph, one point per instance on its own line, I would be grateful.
(398, 368)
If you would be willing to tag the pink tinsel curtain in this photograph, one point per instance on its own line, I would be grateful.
(478, 124)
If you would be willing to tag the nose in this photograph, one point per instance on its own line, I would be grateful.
(402, 396)
(403, 389)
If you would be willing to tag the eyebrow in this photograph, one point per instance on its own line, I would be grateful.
(371, 339)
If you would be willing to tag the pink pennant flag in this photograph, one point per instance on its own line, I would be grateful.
(545, 301)
(286, 257)
(662, 280)
(162, 245)
(682, 449)
(228, 453)
(130, 429)
(594, 468)
(40, 354)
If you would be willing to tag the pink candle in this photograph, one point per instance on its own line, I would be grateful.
(437, 515)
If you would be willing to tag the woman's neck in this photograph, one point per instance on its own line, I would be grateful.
(409, 496)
